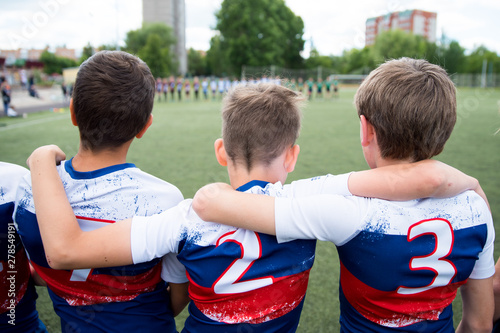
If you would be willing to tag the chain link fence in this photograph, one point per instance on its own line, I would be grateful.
(490, 80)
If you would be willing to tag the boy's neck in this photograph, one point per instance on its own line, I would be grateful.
(386, 162)
(87, 160)
(239, 175)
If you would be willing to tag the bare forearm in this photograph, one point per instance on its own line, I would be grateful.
(477, 306)
(179, 297)
(408, 181)
(220, 203)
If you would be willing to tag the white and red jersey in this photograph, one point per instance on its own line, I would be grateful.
(17, 292)
(401, 262)
(115, 299)
(239, 280)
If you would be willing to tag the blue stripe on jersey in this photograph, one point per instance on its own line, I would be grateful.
(68, 166)
(27, 228)
(251, 184)
(25, 314)
(148, 313)
(382, 261)
(6, 211)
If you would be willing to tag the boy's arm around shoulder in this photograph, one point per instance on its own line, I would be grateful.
(220, 203)
(66, 245)
(428, 178)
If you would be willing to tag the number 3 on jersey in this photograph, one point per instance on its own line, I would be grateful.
(435, 261)
(251, 250)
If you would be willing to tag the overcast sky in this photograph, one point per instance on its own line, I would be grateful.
(331, 25)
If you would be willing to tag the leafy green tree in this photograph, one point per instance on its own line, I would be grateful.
(316, 60)
(109, 47)
(395, 44)
(260, 33)
(358, 61)
(157, 58)
(454, 58)
(153, 43)
(217, 58)
(55, 64)
(197, 63)
(87, 52)
(474, 62)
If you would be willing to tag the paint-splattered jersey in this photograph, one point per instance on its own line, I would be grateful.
(115, 299)
(17, 292)
(401, 262)
(240, 280)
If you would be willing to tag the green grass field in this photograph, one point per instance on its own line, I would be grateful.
(179, 148)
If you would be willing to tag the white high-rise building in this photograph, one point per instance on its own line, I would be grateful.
(173, 14)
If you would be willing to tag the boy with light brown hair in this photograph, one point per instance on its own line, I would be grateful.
(401, 262)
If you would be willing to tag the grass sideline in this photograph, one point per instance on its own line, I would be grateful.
(179, 148)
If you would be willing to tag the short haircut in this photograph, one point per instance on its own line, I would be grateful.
(412, 107)
(112, 99)
(259, 122)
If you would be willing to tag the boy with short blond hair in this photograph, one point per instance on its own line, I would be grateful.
(401, 262)
(111, 105)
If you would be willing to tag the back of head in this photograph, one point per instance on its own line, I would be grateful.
(412, 106)
(259, 122)
(112, 98)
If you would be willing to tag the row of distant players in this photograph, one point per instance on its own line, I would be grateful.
(222, 85)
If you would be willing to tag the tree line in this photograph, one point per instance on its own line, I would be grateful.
(267, 32)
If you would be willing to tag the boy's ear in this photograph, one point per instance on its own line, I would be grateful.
(141, 133)
(292, 154)
(72, 112)
(367, 132)
(220, 152)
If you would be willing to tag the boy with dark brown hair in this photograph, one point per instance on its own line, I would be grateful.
(401, 262)
(111, 105)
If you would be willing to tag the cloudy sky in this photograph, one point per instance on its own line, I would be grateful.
(330, 25)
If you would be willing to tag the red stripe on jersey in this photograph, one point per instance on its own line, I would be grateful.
(14, 277)
(392, 309)
(98, 288)
(256, 306)
(93, 219)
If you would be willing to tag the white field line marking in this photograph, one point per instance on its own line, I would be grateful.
(33, 122)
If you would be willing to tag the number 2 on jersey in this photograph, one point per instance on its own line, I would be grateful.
(435, 261)
(80, 274)
(251, 250)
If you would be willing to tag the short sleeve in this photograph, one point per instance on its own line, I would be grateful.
(485, 265)
(155, 236)
(324, 217)
(327, 184)
(172, 270)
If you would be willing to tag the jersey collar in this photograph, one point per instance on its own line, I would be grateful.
(68, 166)
(251, 184)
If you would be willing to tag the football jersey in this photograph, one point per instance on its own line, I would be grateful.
(239, 280)
(17, 292)
(401, 262)
(116, 299)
